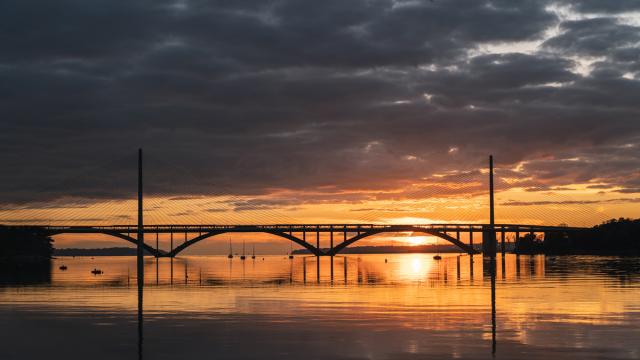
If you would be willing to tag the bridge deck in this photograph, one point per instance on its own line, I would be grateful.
(175, 228)
(289, 231)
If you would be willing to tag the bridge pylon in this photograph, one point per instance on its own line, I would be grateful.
(489, 231)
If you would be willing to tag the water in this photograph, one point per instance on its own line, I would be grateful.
(410, 307)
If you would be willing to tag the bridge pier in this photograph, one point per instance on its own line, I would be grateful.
(502, 239)
(331, 241)
(331, 250)
(171, 244)
(488, 241)
(332, 269)
(304, 270)
(318, 238)
(345, 269)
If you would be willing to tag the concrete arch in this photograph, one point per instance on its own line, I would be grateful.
(282, 234)
(128, 238)
(468, 249)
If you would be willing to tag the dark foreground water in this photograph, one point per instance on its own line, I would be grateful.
(410, 307)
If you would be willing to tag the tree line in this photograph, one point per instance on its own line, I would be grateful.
(613, 237)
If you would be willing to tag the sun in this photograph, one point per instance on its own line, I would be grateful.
(416, 240)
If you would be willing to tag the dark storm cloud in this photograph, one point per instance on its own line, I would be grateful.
(250, 97)
(594, 37)
(603, 6)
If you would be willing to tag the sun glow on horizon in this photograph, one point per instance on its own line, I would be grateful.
(415, 240)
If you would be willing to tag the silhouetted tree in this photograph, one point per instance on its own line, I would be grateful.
(528, 244)
(18, 244)
(613, 237)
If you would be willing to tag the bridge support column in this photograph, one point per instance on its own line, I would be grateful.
(331, 249)
(331, 241)
(318, 256)
(171, 244)
(502, 239)
(332, 269)
(488, 241)
(345, 270)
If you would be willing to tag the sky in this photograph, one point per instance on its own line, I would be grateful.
(318, 111)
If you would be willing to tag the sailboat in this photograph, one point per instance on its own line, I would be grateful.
(437, 256)
(253, 256)
(290, 250)
(242, 257)
(230, 256)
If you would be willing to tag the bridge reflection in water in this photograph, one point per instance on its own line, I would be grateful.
(411, 303)
(207, 272)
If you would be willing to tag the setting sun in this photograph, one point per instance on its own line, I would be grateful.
(415, 240)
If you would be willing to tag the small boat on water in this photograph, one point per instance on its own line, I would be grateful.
(97, 272)
(437, 256)
(230, 256)
(242, 257)
(253, 256)
(63, 267)
(290, 250)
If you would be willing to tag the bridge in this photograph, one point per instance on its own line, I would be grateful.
(340, 235)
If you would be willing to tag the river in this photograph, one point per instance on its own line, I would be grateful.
(400, 306)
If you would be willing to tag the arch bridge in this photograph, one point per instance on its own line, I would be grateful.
(340, 236)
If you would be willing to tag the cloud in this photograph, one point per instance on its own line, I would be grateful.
(358, 98)
(594, 36)
(569, 202)
(603, 6)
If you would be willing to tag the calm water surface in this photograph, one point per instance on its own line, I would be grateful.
(409, 307)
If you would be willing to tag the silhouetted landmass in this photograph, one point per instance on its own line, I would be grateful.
(25, 257)
(112, 251)
(614, 237)
(24, 246)
(529, 245)
(392, 249)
